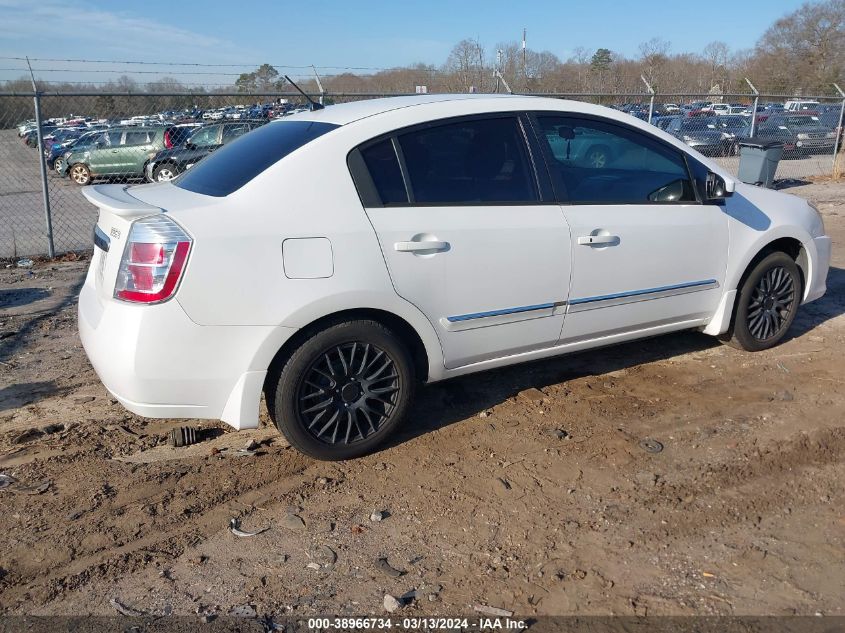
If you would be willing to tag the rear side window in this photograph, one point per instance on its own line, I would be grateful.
(236, 163)
(138, 137)
(476, 161)
(384, 169)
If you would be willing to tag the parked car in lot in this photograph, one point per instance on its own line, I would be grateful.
(170, 162)
(490, 242)
(121, 153)
(662, 122)
(30, 137)
(62, 134)
(56, 159)
(805, 133)
(701, 133)
(805, 106)
(732, 128)
(830, 119)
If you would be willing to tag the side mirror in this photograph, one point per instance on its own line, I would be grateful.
(717, 188)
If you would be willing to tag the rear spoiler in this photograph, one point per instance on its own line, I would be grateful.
(117, 200)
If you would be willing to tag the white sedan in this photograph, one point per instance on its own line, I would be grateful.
(334, 259)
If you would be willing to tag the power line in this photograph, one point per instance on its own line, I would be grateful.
(198, 64)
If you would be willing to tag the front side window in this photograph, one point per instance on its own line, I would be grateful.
(471, 162)
(231, 132)
(597, 162)
(206, 136)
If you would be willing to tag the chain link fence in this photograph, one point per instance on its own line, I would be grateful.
(145, 137)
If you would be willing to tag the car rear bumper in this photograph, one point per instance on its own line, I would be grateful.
(160, 364)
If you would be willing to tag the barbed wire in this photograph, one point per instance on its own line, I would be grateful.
(205, 65)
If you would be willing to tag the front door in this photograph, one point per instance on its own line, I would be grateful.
(645, 251)
(467, 237)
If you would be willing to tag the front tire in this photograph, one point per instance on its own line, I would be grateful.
(165, 172)
(344, 391)
(767, 302)
(80, 174)
(598, 157)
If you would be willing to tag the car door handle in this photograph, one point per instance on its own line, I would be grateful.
(594, 240)
(425, 245)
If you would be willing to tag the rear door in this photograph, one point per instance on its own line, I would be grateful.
(136, 150)
(646, 252)
(469, 234)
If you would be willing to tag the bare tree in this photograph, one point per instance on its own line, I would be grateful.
(804, 50)
(716, 56)
(654, 56)
(465, 64)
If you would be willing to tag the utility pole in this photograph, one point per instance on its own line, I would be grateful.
(524, 61)
(498, 71)
(499, 78)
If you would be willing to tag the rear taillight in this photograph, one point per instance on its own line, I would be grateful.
(153, 261)
(168, 143)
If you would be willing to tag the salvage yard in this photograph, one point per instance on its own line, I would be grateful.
(668, 476)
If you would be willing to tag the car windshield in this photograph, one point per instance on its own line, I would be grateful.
(733, 122)
(799, 121)
(235, 164)
(773, 132)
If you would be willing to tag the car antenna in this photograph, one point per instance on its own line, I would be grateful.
(314, 104)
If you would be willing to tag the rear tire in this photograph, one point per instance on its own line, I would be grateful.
(80, 174)
(343, 391)
(766, 304)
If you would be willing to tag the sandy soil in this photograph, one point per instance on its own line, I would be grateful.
(533, 489)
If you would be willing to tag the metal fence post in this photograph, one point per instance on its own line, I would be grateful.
(836, 146)
(754, 107)
(51, 251)
(651, 101)
(45, 191)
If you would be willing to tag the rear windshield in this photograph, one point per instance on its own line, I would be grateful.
(236, 163)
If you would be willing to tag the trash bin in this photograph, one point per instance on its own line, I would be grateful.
(758, 161)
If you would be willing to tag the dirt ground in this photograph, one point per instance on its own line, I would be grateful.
(534, 489)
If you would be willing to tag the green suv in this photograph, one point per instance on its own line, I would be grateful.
(120, 152)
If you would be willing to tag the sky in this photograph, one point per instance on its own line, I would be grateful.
(337, 34)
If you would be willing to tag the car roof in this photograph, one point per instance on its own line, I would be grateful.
(343, 113)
